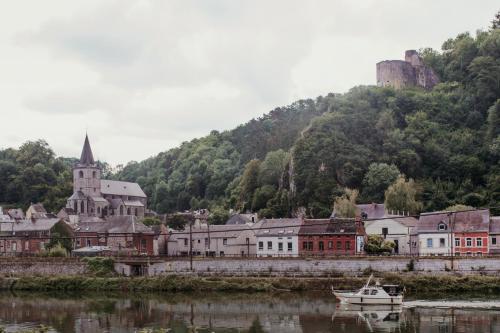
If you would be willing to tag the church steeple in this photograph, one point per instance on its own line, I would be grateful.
(87, 158)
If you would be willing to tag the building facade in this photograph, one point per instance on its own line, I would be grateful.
(278, 237)
(96, 197)
(395, 229)
(471, 232)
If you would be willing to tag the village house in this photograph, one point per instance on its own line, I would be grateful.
(460, 233)
(30, 237)
(242, 219)
(278, 237)
(397, 229)
(16, 213)
(122, 234)
(96, 197)
(4, 217)
(494, 233)
(36, 211)
(471, 232)
(323, 237)
(213, 240)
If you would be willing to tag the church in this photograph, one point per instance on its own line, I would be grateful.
(101, 198)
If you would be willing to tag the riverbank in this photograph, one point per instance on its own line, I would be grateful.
(172, 283)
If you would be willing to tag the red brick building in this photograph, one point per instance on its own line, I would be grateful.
(326, 237)
(470, 232)
(120, 233)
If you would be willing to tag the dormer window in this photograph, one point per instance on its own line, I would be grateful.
(441, 226)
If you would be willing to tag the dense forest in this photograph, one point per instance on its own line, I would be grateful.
(300, 157)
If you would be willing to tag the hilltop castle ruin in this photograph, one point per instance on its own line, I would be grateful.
(406, 73)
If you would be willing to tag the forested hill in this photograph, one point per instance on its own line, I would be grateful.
(305, 154)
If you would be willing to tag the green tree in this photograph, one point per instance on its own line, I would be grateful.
(458, 208)
(150, 221)
(376, 244)
(345, 205)
(402, 197)
(248, 184)
(493, 129)
(218, 215)
(177, 221)
(271, 169)
(377, 179)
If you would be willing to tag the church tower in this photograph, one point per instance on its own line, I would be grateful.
(86, 173)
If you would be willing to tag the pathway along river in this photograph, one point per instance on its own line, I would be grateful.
(219, 312)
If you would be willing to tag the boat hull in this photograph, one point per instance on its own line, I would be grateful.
(368, 299)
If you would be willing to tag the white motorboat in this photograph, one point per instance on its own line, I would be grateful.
(386, 294)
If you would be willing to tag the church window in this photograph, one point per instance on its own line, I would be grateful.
(82, 207)
(80, 174)
(98, 210)
(91, 210)
(121, 210)
(93, 174)
(128, 211)
(136, 212)
(75, 207)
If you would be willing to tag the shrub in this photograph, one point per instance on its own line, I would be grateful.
(57, 251)
(100, 266)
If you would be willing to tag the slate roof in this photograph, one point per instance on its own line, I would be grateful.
(134, 203)
(328, 227)
(77, 195)
(38, 207)
(16, 213)
(407, 221)
(373, 210)
(115, 224)
(114, 187)
(495, 225)
(241, 219)
(32, 225)
(87, 158)
(279, 227)
(468, 221)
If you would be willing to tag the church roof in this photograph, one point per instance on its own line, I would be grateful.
(87, 158)
(115, 187)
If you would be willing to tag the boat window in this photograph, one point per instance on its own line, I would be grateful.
(366, 292)
(374, 292)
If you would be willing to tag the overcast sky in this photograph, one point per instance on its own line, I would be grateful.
(143, 76)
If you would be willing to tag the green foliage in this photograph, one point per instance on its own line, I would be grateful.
(218, 215)
(458, 208)
(100, 266)
(61, 235)
(177, 221)
(345, 205)
(377, 179)
(150, 221)
(402, 197)
(376, 244)
(57, 250)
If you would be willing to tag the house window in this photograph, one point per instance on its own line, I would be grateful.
(304, 245)
(310, 246)
(442, 226)
(347, 245)
(143, 245)
(385, 231)
(14, 247)
(442, 242)
(479, 254)
(26, 245)
(185, 242)
(199, 241)
(88, 243)
(429, 242)
(457, 254)
(247, 241)
(224, 241)
(457, 241)
(468, 242)
(321, 246)
(269, 245)
(493, 241)
(290, 246)
(339, 245)
(469, 253)
(78, 242)
(330, 245)
(221, 253)
(280, 246)
(261, 245)
(479, 242)
(206, 241)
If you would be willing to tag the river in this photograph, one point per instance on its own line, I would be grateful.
(220, 312)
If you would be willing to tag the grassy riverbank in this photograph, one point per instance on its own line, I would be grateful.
(413, 283)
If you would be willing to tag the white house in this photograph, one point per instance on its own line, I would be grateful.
(433, 235)
(278, 237)
(396, 229)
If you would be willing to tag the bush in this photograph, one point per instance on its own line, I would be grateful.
(57, 251)
(100, 266)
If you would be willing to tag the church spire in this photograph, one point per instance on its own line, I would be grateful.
(87, 158)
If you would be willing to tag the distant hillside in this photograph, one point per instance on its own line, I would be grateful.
(305, 154)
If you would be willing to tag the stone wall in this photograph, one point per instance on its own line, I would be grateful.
(42, 266)
(321, 267)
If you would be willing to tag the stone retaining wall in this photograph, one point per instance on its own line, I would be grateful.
(42, 266)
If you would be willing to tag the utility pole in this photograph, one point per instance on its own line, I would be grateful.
(452, 238)
(191, 246)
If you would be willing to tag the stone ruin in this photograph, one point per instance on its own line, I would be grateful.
(410, 72)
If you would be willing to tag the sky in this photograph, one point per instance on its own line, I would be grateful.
(143, 76)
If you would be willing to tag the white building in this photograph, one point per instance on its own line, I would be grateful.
(433, 235)
(278, 237)
(396, 229)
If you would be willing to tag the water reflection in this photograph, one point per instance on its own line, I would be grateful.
(229, 313)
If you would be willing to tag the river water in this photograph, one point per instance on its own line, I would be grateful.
(219, 312)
